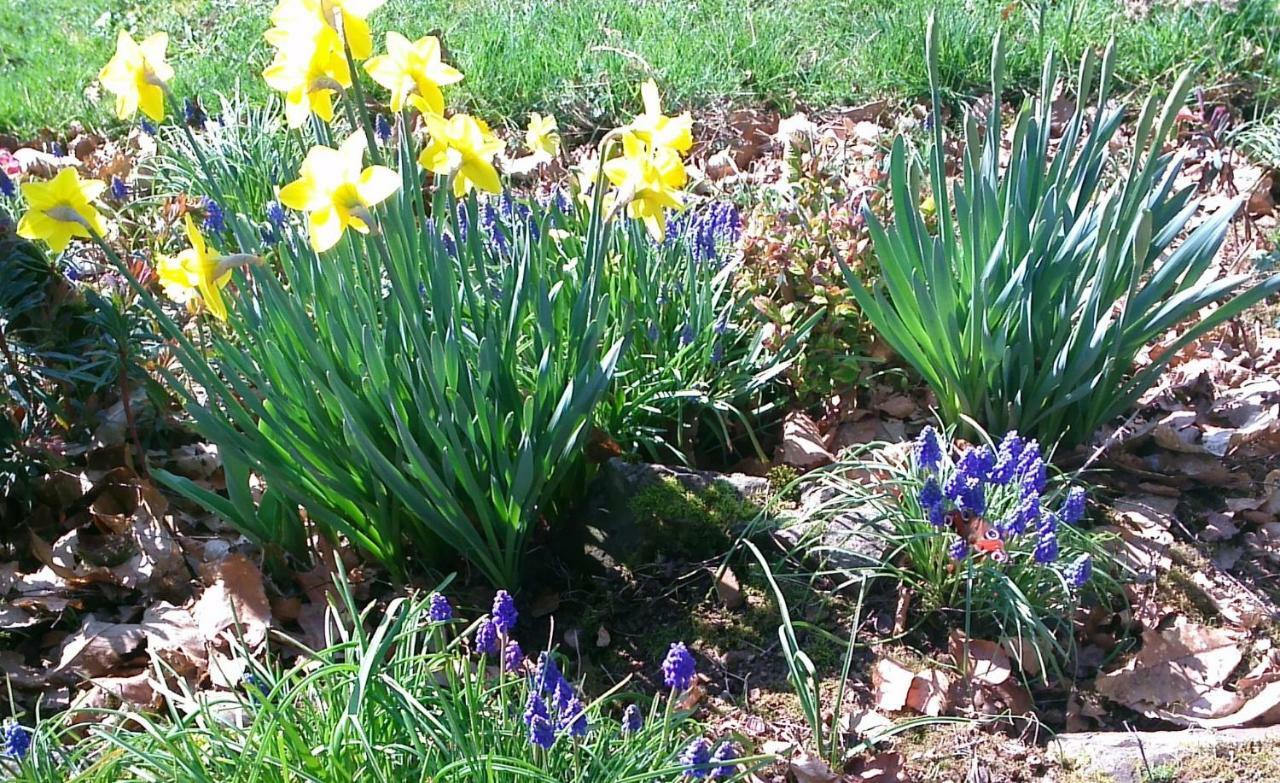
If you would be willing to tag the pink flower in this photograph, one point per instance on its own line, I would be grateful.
(9, 164)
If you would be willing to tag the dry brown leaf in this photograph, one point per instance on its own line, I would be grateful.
(98, 648)
(137, 691)
(1179, 672)
(728, 589)
(893, 683)
(880, 768)
(235, 599)
(866, 724)
(987, 661)
(175, 638)
(808, 768)
(802, 445)
(929, 691)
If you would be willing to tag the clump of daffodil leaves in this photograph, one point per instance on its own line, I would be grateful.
(375, 361)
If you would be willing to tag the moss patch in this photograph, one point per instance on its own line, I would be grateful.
(687, 524)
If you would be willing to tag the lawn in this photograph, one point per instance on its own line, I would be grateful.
(583, 59)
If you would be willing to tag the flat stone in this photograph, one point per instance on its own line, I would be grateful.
(846, 540)
(1119, 754)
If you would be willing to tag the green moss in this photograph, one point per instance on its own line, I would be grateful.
(782, 480)
(678, 521)
(1254, 761)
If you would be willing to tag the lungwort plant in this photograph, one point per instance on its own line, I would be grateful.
(419, 390)
(1043, 279)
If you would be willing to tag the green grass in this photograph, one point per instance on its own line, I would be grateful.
(583, 59)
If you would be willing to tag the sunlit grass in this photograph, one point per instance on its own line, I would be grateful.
(583, 59)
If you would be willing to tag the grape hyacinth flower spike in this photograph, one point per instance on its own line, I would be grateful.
(632, 719)
(928, 450)
(15, 739)
(487, 638)
(698, 754)
(439, 610)
(512, 657)
(1078, 572)
(724, 756)
(679, 668)
(504, 612)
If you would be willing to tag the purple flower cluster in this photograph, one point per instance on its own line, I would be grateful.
(1078, 572)
(7, 188)
(679, 668)
(632, 719)
(700, 762)
(1004, 485)
(705, 230)
(512, 657)
(504, 612)
(119, 190)
(554, 708)
(439, 610)
(214, 219)
(15, 739)
(486, 641)
(193, 114)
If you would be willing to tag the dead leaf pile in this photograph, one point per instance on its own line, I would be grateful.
(1183, 674)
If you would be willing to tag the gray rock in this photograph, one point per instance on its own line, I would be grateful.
(840, 535)
(612, 533)
(1119, 754)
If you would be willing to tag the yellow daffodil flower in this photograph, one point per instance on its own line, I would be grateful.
(60, 209)
(137, 75)
(342, 16)
(648, 181)
(309, 67)
(413, 68)
(461, 146)
(195, 275)
(542, 136)
(658, 130)
(336, 193)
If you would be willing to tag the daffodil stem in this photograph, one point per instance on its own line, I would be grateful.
(375, 154)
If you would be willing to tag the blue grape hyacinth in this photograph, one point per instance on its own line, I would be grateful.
(439, 610)
(512, 657)
(214, 220)
(487, 638)
(15, 739)
(1046, 550)
(541, 733)
(1073, 506)
(698, 754)
(1079, 571)
(632, 719)
(504, 612)
(725, 756)
(679, 668)
(928, 449)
